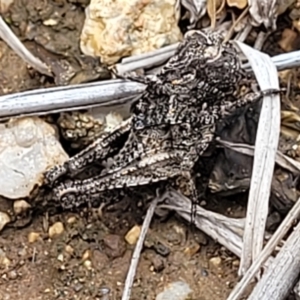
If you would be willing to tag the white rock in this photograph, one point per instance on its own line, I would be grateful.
(21, 206)
(87, 264)
(117, 28)
(28, 147)
(60, 257)
(4, 219)
(178, 290)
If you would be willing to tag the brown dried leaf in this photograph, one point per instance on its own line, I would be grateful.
(214, 8)
(266, 145)
(241, 4)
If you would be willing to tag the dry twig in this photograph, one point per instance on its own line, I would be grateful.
(281, 159)
(281, 231)
(10, 38)
(138, 249)
(266, 145)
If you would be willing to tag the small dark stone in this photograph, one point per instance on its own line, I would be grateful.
(204, 272)
(99, 259)
(104, 293)
(115, 246)
(273, 221)
(158, 263)
(78, 287)
(161, 249)
(201, 238)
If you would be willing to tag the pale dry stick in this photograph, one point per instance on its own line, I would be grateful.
(213, 16)
(87, 95)
(138, 248)
(281, 231)
(235, 23)
(146, 60)
(144, 63)
(296, 291)
(73, 97)
(242, 35)
(154, 53)
(282, 274)
(13, 42)
(282, 61)
(282, 160)
(260, 40)
(224, 230)
(266, 144)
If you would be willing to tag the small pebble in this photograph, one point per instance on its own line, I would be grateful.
(33, 237)
(71, 220)
(69, 249)
(115, 245)
(88, 264)
(21, 206)
(56, 229)
(22, 262)
(176, 290)
(191, 251)
(133, 235)
(200, 238)
(12, 274)
(216, 261)
(77, 287)
(158, 263)
(177, 235)
(22, 252)
(104, 293)
(60, 257)
(50, 22)
(86, 255)
(236, 263)
(4, 219)
(99, 259)
(161, 249)
(4, 261)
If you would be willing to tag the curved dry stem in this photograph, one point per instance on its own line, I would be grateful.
(13, 42)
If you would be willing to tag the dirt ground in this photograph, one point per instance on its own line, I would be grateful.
(89, 257)
(91, 254)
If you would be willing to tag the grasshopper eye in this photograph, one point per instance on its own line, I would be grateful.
(139, 125)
